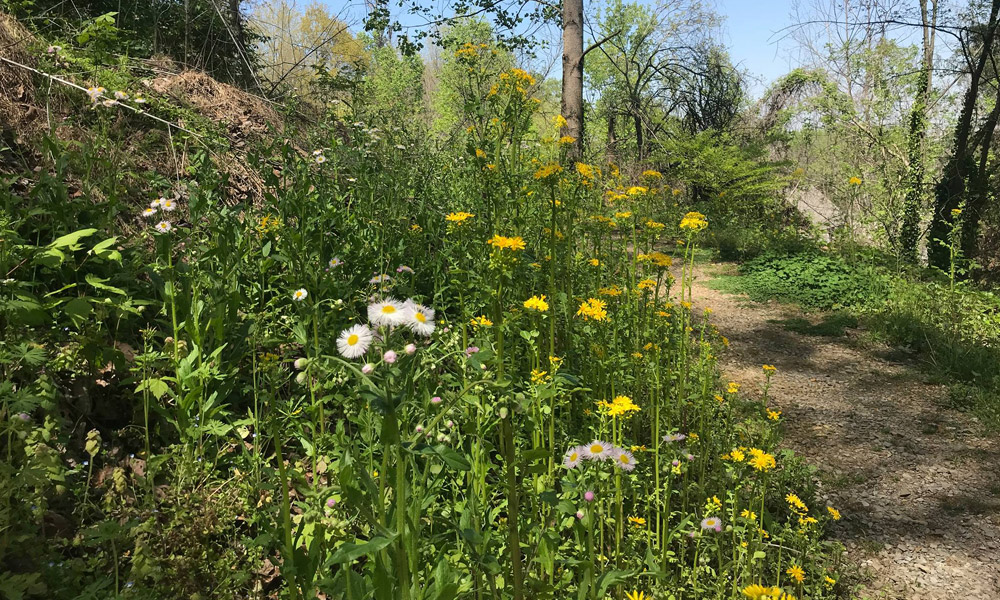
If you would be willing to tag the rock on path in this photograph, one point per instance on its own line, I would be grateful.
(917, 483)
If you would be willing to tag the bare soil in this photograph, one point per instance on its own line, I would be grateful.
(918, 483)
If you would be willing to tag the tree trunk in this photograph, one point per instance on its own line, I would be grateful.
(975, 205)
(239, 38)
(639, 141)
(572, 75)
(951, 190)
(910, 232)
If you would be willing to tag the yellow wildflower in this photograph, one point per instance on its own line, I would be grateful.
(796, 573)
(637, 521)
(695, 221)
(646, 284)
(506, 243)
(459, 217)
(833, 513)
(773, 414)
(594, 309)
(548, 170)
(854, 181)
(537, 303)
(481, 321)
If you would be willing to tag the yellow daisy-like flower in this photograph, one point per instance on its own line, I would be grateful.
(834, 513)
(654, 224)
(548, 170)
(761, 461)
(506, 243)
(637, 521)
(481, 321)
(749, 515)
(620, 405)
(459, 217)
(480, 153)
(594, 262)
(539, 376)
(614, 290)
(636, 190)
(646, 284)
(757, 592)
(566, 140)
(854, 181)
(774, 415)
(637, 595)
(559, 121)
(738, 455)
(733, 387)
(796, 503)
(695, 221)
(796, 573)
(651, 174)
(769, 369)
(593, 309)
(537, 303)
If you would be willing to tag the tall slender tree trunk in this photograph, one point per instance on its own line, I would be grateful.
(910, 231)
(975, 204)
(951, 191)
(572, 75)
(612, 135)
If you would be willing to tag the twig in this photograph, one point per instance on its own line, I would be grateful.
(125, 106)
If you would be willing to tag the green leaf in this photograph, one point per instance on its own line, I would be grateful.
(72, 240)
(452, 458)
(77, 309)
(157, 387)
(98, 283)
(350, 551)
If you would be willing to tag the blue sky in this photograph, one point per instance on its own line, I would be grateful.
(751, 31)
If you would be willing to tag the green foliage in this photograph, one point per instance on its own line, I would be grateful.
(812, 279)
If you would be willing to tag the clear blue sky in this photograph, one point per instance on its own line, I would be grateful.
(752, 32)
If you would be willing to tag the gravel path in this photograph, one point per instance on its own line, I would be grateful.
(918, 484)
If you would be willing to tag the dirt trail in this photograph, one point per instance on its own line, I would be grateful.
(918, 484)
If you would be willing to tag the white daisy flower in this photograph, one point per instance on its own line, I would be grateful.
(156, 203)
(168, 205)
(623, 459)
(335, 262)
(300, 294)
(120, 95)
(354, 341)
(597, 450)
(139, 100)
(95, 93)
(149, 212)
(383, 278)
(164, 226)
(317, 152)
(420, 319)
(573, 457)
(320, 159)
(387, 313)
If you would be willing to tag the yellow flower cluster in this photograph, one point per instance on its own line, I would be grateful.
(854, 181)
(796, 503)
(566, 140)
(620, 405)
(760, 460)
(506, 243)
(657, 258)
(458, 217)
(537, 303)
(614, 290)
(593, 309)
(646, 284)
(655, 225)
(470, 51)
(546, 171)
(480, 322)
(637, 190)
(695, 221)
(651, 174)
(268, 224)
(762, 592)
(769, 369)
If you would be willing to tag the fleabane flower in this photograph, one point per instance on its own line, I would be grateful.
(149, 212)
(597, 450)
(387, 313)
(573, 457)
(163, 227)
(167, 205)
(354, 341)
(300, 294)
(623, 459)
(712, 523)
(420, 319)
